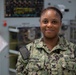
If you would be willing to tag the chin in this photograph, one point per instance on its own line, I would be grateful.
(51, 37)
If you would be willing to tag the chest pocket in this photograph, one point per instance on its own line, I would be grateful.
(68, 65)
(35, 64)
(71, 65)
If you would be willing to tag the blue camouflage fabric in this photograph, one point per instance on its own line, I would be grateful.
(61, 60)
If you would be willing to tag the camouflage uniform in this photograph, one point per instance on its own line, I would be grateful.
(61, 60)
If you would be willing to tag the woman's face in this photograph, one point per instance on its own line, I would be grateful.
(50, 23)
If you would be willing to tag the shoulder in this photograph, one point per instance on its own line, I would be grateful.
(33, 44)
(67, 43)
(35, 47)
(69, 47)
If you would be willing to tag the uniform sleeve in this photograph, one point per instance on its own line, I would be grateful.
(21, 64)
(75, 59)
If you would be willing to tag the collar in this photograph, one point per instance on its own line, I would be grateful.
(62, 44)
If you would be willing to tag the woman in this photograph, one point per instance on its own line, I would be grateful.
(51, 54)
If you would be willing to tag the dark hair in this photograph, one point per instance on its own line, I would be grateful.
(54, 8)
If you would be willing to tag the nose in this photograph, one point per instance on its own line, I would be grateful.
(49, 24)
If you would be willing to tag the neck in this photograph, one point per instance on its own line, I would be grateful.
(51, 42)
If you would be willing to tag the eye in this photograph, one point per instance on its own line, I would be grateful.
(45, 21)
(54, 22)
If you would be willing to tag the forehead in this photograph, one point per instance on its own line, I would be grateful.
(50, 13)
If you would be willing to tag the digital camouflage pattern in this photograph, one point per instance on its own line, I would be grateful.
(61, 60)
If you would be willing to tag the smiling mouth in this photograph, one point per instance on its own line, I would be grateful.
(49, 30)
